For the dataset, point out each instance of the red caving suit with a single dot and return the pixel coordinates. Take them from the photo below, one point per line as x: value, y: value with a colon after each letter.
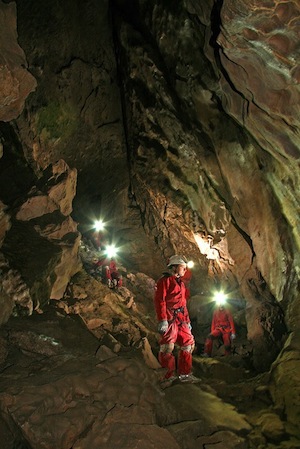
x: 222, y: 325
x: 171, y: 305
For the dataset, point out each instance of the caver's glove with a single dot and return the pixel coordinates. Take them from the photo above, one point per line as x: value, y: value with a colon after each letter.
x: 163, y: 326
x: 232, y: 336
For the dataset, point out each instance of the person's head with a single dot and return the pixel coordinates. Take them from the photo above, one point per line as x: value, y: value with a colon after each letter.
x: 221, y: 306
x: 178, y: 264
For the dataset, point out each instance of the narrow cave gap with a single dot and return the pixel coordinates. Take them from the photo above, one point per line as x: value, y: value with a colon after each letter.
x: 216, y: 22
x: 132, y: 15
x: 16, y: 175
x: 188, y: 122
x: 114, y: 18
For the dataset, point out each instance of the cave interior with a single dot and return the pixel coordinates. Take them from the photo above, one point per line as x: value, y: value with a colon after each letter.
x: 177, y: 125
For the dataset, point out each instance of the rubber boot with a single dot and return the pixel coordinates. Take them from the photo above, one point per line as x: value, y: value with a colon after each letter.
x: 227, y: 350
x: 167, y: 360
x: 184, y: 362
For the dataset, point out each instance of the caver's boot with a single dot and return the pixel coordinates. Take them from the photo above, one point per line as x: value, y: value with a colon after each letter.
x: 189, y: 378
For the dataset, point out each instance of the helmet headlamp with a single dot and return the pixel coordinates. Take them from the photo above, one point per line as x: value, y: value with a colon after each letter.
x: 111, y: 251
x: 99, y: 225
x: 220, y: 298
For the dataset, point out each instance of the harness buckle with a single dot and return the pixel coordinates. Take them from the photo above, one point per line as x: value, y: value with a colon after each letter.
x: 179, y: 310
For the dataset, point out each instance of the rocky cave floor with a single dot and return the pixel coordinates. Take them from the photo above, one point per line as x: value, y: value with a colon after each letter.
x: 83, y: 374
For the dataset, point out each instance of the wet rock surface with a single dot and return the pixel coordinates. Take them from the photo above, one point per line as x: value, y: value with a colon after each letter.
x: 84, y: 374
x: 68, y: 383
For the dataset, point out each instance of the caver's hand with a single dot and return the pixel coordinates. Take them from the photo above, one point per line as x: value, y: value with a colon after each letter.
x: 163, y: 326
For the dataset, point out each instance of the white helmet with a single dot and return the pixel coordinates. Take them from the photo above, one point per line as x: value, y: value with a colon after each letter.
x: 177, y: 260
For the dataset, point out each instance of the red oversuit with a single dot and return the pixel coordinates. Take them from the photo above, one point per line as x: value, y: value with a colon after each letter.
x: 171, y: 305
x: 222, y: 325
x: 110, y: 273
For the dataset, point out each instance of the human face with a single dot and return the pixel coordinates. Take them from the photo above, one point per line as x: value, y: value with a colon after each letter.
x: 180, y: 270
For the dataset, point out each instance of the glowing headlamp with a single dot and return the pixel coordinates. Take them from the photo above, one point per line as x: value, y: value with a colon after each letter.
x: 111, y: 251
x: 190, y: 264
x: 98, y: 225
x: 220, y: 298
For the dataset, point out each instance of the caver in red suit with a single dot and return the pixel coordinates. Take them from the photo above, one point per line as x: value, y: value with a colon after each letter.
x: 114, y: 274
x: 222, y: 325
x: 174, y: 322
x: 111, y: 274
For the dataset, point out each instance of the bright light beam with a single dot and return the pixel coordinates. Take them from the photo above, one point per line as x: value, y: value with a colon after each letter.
x: 220, y: 298
x: 190, y: 264
x: 98, y: 225
x: 111, y: 251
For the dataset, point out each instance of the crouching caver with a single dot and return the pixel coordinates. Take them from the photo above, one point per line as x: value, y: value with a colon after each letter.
x: 174, y: 322
x: 222, y: 326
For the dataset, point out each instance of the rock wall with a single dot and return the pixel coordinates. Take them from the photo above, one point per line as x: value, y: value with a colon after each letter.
x: 16, y: 81
x: 197, y: 118
x: 39, y: 240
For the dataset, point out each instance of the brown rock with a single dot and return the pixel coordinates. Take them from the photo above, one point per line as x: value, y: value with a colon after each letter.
x: 36, y: 206
x: 4, y: 222
x: 272, y: 427
x: 16, y: 82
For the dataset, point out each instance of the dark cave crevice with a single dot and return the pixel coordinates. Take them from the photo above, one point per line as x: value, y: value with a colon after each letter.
x: 16, y: 176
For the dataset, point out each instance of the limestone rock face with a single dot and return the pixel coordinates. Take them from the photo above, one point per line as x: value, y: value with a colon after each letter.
x: 260, y: 53
x: 40, y: 239
x: 195, y: 173
x: 285, y: 381
x: 16, y: 81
